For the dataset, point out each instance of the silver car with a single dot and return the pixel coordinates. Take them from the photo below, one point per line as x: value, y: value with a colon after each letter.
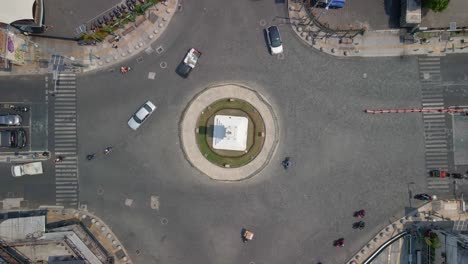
x: 141, y: 115
x: 10, y: 120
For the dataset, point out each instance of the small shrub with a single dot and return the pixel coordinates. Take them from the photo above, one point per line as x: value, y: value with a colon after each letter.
x: 436, y: 5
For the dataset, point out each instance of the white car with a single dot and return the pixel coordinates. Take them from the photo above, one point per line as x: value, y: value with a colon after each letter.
x: 141, y: 115
x: 274, y: 40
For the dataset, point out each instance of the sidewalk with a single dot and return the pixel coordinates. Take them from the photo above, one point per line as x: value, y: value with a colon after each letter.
x: 134, y: 38
x: 428, y: 215
x: 376, y: 43
x: 98, y: 228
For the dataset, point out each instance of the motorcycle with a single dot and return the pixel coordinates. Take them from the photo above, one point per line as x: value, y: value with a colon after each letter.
x: 124, y: 70
x: 90, y: 156
x: 339, y: 242
x: 58, y: 159
x: 360, y: 214
x: 22, y: 109
x: 287, y: 163
x: 359, y: 225
x: 107, y: 150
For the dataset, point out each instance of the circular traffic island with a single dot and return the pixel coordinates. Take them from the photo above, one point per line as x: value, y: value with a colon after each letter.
x: 229, y: 132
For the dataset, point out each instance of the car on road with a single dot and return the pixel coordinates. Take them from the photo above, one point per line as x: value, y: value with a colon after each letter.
x: 274, y: 40
x: 141, y: 115
x: 13, y: 138
x: 188, y: 63
x: 10, y: 120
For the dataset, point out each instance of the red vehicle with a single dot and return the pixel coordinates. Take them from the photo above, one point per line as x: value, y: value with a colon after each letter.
x: 438, y: 173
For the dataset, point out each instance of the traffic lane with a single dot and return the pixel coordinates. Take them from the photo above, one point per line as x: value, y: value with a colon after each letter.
x: 22, y: 89
x: 307, y: 208
x: 35, y: 189
x: 152, y: 153
x: 454, y: 68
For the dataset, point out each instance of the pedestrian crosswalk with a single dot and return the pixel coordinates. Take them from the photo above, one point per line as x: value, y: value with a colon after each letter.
x: 65, y: 139
x: 435, y: 131
x: 429, y: 69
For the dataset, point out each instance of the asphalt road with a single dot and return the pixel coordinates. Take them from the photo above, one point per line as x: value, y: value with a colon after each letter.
x: 28, y: 91
x: 344, y: 159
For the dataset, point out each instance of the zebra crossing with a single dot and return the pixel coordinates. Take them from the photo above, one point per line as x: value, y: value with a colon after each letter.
x: 429, y: 69
x: 435, y: 131
x: 65, y: 137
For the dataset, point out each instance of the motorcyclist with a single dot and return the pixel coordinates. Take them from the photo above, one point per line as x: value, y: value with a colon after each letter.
x: 124, y: 69
x: 90, y: 156
x: 107, y: 150
x: 339, y: 242
x: 58, y: 159
x: 360, y: 214
x: 287, y: 162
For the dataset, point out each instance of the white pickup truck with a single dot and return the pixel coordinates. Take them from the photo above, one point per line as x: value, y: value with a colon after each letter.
x: 189, y: 62
x: 32, y: 168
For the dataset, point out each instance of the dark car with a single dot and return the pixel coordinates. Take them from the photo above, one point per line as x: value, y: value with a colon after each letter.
x: 332, y: 4
x: 13, y: 138
x: 423, y: 197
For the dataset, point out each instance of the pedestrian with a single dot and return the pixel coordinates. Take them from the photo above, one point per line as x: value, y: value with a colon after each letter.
x: 115, y: 46
x: 117, y: 38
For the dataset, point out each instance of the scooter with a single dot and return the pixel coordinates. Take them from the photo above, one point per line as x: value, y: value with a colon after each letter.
x: 90, y: 156
x: 124, y: 69
x: 287, y: 163
x: 107, y: 150
x: 58, y: 159
x: 360, y: 214
x: 339, y: 242
x: 22, y: 109
x: 359, y: 225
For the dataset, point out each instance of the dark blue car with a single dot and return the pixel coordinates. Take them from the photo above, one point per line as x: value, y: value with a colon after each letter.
x: 333, y: 4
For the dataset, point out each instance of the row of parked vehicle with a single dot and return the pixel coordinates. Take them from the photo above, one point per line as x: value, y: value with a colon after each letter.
x: 12, y: 137
x: 115, y: 13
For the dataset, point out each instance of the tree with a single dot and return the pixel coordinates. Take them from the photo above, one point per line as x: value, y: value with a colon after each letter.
x: 436, y: 5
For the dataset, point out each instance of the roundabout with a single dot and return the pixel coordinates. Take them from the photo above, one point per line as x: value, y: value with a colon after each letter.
x: 198, y: 130
x: 343, y: 159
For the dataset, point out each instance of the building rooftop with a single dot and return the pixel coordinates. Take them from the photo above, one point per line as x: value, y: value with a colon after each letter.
x: 12, y: 11
x: 22, y: 228
x: 230, y: 132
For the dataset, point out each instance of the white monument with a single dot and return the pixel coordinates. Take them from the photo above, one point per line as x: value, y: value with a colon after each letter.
x: 230, y: 132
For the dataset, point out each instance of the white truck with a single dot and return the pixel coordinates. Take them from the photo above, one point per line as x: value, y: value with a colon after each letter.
x: 32, y: 168
x: 188, y: 63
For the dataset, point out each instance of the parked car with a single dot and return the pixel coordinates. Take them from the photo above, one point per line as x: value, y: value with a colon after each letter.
x: 141, y: 115
x: 10, y: 120
x: 32, y: 168
x: 274, y: 40
x: 13, y: 138
x: 423, y: 197
x: 332, y: 4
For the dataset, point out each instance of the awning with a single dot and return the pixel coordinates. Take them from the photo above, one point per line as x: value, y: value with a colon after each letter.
x: 11, y: 11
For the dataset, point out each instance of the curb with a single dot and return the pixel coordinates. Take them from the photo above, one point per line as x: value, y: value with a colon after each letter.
x: 196, y: 159
x: 101, y: 229
x: 354, y: 47
x: 84, y: 59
